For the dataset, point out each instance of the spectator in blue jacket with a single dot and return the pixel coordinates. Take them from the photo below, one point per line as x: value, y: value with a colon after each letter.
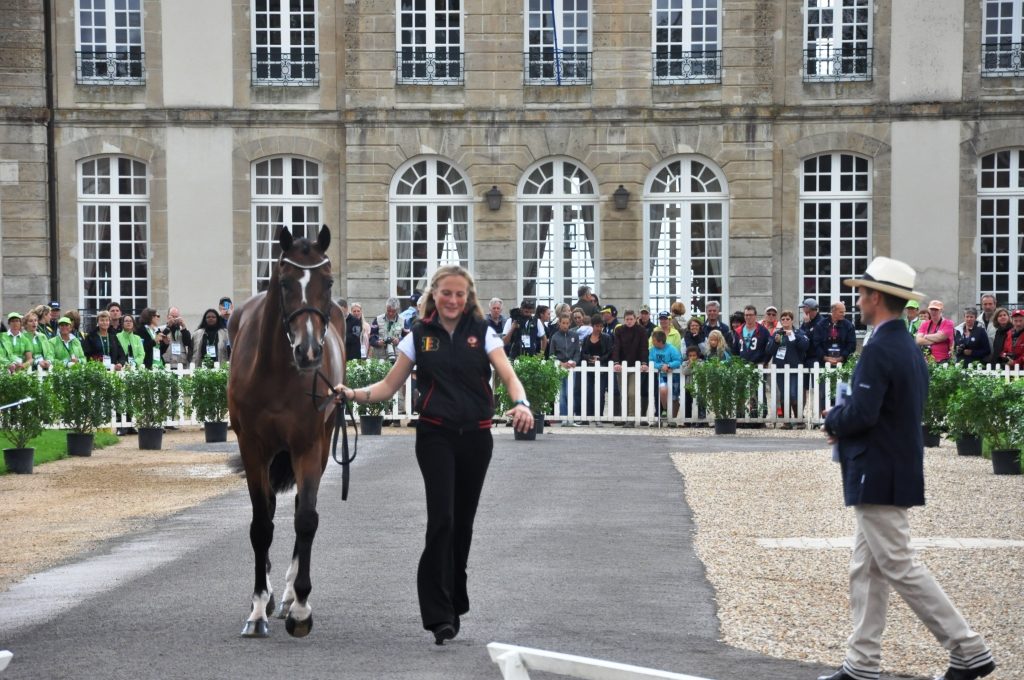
x: 837, y: 338
x: 665, y: 359
x: 564, y: 345
x: 970, y: 339
x: 752, y: 338
x: 788, y: 349
x: 714, y: 323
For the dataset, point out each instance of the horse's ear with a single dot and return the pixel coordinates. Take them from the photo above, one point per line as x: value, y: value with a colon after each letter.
x: 323, y: 239
x: 284, y: 239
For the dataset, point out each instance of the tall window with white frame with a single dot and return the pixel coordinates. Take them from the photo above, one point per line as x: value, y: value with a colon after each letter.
x: 108, y: 45
x: 685, y: 235
x: 835, y: 227
x: 558, y: 232
x: 113, y: 219
x: 558, y: 47
x: 286, y: 193
x: 837, y: 42
x: 686, y: 41
x: 284, y: 42
x: 1002, y: 34
x: 431, y: 222
x: 429, y: 42
x: 1001, y: 225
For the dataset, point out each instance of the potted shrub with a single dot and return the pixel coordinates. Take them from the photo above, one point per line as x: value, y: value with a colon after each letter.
x: 84, y: 397
x: 541, y: 379
x: 207, y: 390
x: 943, y: 381
x: 361, y: 373
x: 724, y: 388
x: 27, y: 410
x: 1002, y: 428
x: 964, y: 411
x: 152, y: 398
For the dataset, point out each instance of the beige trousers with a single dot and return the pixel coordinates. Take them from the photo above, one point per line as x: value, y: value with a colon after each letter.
x: 882, y: 560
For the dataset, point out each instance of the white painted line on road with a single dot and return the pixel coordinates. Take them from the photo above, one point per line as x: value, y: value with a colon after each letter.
x: 846, y: 543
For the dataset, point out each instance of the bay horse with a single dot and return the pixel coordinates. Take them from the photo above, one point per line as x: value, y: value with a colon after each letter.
x: 283, y: 341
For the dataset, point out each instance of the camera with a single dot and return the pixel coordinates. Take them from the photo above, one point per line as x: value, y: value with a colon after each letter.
x: 516, y: 315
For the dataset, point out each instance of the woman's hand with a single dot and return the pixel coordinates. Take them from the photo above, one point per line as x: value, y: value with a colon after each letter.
x: 522, y: 418
x: 342, y: 392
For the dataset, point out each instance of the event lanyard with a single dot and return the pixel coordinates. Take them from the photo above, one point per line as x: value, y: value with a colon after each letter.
x: 105, y: 341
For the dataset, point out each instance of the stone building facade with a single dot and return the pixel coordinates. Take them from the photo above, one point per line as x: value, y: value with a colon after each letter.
x: 765, y: 149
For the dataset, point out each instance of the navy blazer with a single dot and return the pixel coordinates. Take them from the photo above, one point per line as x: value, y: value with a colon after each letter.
x: 881, y: 448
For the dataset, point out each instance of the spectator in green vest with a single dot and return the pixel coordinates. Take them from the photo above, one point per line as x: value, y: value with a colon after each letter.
x: 66, y: 346
x: 912, y: 321
x: 131, y: 342
x: 13, y: 344
x: 40, y: 351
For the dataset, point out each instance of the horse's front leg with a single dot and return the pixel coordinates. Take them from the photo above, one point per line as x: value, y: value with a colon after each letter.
x: 261, y: 534
x: 300, y: 614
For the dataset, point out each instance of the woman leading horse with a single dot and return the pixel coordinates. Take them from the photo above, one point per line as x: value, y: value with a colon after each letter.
x: 284, y: 341
x: 453, y: 350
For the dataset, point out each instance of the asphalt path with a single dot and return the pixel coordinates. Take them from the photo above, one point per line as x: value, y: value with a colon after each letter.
x: 583, y: 545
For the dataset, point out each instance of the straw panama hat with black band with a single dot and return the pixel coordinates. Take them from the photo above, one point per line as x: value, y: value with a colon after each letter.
x: 889, y: 276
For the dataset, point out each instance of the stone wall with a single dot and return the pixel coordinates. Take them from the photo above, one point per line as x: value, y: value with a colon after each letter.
x: 24, y: 260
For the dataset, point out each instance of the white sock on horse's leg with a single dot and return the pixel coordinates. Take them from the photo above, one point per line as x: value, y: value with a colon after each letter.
x: 289, y: 589
x: 259, y: 606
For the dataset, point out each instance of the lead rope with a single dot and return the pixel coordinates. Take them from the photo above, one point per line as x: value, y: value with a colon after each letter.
x: 340, y: 410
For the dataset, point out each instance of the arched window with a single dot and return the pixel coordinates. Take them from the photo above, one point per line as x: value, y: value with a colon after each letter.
x: 1001, y: 225
x: 431, y: 214
x: 685, y: 239
x: 286, y: 192
x: 835, y: 227
x: 558, y: 237
x: 113, y: 218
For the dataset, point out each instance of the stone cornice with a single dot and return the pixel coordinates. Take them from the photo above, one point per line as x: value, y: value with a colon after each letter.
x: 574, y: 115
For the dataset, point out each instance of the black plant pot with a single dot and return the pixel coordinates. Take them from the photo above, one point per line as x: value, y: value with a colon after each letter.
x: 527, y: 436
x: 538, y: 423
x: 1006, y: 461
x: 216, y: 431
x: 968, y: 445
x: 725, y: 426
x: 19, y: 461
x: 151, y: 438
x: 370, y: 425
x: 80, y: 443
x: 930, y: 440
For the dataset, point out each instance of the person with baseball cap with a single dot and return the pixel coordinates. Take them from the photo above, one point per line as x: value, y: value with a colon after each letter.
x: 877, y: 434
x: 912, y: 319
x: 14, y: 344
x: 935, y: 335
x: 67, y: 346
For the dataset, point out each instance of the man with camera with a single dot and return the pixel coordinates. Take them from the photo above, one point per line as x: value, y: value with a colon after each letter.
x: 523, y: 334
x: 386, y: 332
x: 178, y: 347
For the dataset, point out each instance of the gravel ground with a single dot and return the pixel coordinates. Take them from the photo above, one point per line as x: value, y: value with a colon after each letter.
x: 65, y: 507
x: 793, y: 603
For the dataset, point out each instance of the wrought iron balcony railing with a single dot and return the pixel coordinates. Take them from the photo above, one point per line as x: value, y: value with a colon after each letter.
x: 444, y: 66
x: 673, y: 66
x: 271, y: 66
x: 825, y: 63
x: 1002, y: 60
x: 110, y: 68
x: 547, y: 66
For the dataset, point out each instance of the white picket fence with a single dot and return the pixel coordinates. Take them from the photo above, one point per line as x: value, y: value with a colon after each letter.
x: 600, y: 394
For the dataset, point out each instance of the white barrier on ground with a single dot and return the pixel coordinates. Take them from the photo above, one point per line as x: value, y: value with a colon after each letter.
x: 5, y: 658
x: 516, y: 663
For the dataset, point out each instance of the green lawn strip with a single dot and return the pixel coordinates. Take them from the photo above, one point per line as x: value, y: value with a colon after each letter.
x: 53, y: 445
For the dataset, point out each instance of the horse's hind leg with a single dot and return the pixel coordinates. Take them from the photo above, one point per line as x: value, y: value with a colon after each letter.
x: 300, y: 615
x: 261, y: 534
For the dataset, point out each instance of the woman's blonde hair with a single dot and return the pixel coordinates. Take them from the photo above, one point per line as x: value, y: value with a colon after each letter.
x: 678, y: 308
x: 472, y: 304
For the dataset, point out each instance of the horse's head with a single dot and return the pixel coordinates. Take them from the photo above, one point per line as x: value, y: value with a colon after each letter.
x: 304, y: 277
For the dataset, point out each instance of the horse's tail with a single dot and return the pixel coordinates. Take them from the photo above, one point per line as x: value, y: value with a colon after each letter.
x: 282, y: 476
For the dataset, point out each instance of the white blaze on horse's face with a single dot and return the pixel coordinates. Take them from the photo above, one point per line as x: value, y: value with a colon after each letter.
x: 306, y: 304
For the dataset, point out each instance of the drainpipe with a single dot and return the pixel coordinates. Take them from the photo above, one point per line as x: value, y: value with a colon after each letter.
x: 51, y: 169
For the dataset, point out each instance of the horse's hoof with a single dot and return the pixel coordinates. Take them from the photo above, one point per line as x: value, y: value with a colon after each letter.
x: 256, y: 629
x: 270, y: 605
x: 283, y: 609
x: 298, y: 628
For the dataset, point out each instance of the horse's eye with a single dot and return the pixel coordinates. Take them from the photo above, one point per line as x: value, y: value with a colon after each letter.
x: 330, y: 283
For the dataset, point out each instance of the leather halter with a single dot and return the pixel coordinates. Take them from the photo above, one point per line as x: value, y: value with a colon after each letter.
x: 288, y: 318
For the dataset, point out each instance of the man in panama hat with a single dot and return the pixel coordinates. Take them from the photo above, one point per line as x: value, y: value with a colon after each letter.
x: 878, y: 431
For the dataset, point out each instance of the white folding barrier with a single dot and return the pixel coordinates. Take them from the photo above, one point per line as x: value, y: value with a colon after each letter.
x: 516, y: 663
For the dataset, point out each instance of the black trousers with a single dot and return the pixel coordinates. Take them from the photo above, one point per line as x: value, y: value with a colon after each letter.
x: 453, y: 466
